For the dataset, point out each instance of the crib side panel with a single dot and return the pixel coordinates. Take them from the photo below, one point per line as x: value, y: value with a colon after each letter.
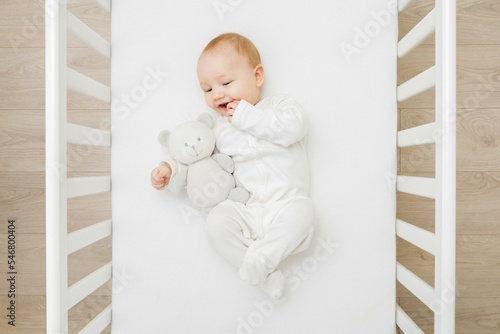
x: 61, y: 78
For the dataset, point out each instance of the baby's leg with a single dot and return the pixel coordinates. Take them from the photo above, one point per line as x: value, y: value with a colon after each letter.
x: 291, y: 227
x: 228, y: 233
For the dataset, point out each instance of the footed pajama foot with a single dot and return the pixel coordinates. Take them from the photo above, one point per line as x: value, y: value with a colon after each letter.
x: 274, y: 285
x: 254, y: 271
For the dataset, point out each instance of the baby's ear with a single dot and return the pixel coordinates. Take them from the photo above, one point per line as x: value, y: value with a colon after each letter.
x: 206, y: 119
x: 164, y: 137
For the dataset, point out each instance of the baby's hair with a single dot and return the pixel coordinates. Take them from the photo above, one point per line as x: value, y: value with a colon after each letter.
x: 241, y: 44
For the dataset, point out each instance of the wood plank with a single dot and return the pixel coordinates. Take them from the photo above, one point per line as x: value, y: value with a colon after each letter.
x: 30, y: 315
x: 474, y: 222
x: 473, y: 315
x: 83, y: 158
x: 478, y: 141
x: 24, y: 81
x: 478, y: 315
x: 88, y: 284
x: 421, y: 158
x: 417, y: 261
x: 88, y: 259
x: 476, y: 192
x: 22, y: 144
x: 22, y: 197
x: 478, y: 274
x: 477, y: 20
x: 99, y: 119
x: 88, y: 308
x: 31, y: 13
x: 478, y: 82
x: 30, y: 263
x: 91, y: 64
x: 421, y: 314
x: 79, y: 215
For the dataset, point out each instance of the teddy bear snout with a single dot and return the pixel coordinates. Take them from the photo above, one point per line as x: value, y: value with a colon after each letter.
x: 196, y: 149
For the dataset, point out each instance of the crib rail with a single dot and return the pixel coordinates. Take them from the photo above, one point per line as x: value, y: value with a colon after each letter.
x: 417, y: 236
x: 59, y: 188
x: 440, y: 298
x: 417, y: 35
x: 418, y: 84
x: 415, y: 185
x: 418, y: 135
x: 83, y: 84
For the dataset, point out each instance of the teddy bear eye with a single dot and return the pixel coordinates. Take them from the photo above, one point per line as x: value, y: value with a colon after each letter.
x: 186, y: 144
x: 199, y: 139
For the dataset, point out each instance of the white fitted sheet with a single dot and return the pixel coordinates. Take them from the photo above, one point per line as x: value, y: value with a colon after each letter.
x: 167, y: 277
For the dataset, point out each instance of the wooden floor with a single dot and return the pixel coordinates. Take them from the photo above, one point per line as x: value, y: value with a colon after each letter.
x: 22, y: 164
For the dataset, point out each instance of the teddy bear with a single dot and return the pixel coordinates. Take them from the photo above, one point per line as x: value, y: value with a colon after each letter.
x: 206, y: 176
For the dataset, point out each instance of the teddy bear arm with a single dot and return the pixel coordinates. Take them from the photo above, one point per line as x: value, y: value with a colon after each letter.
x: 224, y: 161
x: 178, y: 182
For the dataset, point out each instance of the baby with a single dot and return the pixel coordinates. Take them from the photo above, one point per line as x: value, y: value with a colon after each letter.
x: 266, y: 139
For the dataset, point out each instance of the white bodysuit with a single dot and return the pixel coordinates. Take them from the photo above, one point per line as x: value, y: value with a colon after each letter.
x: 267, y: 144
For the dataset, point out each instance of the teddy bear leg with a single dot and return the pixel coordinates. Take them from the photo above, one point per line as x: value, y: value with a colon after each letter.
x: 239, y: 194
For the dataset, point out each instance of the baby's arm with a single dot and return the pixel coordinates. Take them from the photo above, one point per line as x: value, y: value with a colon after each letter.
x: 282, y: 124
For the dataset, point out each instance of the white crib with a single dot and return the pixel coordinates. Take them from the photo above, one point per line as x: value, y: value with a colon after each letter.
x: 59, y: 77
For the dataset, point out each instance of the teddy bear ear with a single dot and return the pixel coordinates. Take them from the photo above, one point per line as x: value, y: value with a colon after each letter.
x: 206, y: 119
x: 164, y: 137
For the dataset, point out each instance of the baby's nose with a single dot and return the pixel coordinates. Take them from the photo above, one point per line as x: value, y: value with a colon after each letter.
x: 218, y: 95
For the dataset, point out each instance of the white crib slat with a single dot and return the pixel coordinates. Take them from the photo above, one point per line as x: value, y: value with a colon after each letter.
x: 416, y: 285
x: 88, y: 235
x: 85, y: 85
x: 104, y: 4
x: 55, y: 166
x: 419, y: 135
x: 420, y: 186
x: 87, y: 35
x: 419, y: 237
x: 418, y: 34
x: 446, y: 84
x: 405, y: 323
x: 83, y: 135
x: 82, y: 186
x: 99, y: 323
x: 88, y: 284
x: 418, y: 84
x: 403, y: 4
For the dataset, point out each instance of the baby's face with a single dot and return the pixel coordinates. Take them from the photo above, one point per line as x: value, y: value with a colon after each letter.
x: 226, y: 76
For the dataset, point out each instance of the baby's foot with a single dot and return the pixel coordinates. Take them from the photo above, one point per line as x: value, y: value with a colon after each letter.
x: 253, y: 271
x: 274, y: 285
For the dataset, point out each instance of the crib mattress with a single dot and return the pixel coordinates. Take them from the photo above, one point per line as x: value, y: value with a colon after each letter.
x: 338, y: 60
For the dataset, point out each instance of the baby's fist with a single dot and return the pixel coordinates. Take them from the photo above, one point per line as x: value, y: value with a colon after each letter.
x: 160, y: 176
x: 231, y: 107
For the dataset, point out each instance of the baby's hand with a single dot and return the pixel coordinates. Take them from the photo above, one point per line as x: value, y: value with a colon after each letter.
x: 231, y: 107
x: 160, y: 176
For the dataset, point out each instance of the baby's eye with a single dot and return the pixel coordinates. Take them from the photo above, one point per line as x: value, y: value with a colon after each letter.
x: 186, y: 144
x: 227, y: 83
x: 208, y: 90
x: 199, y: 139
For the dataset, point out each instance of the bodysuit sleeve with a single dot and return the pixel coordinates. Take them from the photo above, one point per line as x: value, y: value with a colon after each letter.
x: 280, y: 120
x: 172, y: 164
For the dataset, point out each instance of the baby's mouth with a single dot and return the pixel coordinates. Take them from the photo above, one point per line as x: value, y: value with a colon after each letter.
x: 224, y: 106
